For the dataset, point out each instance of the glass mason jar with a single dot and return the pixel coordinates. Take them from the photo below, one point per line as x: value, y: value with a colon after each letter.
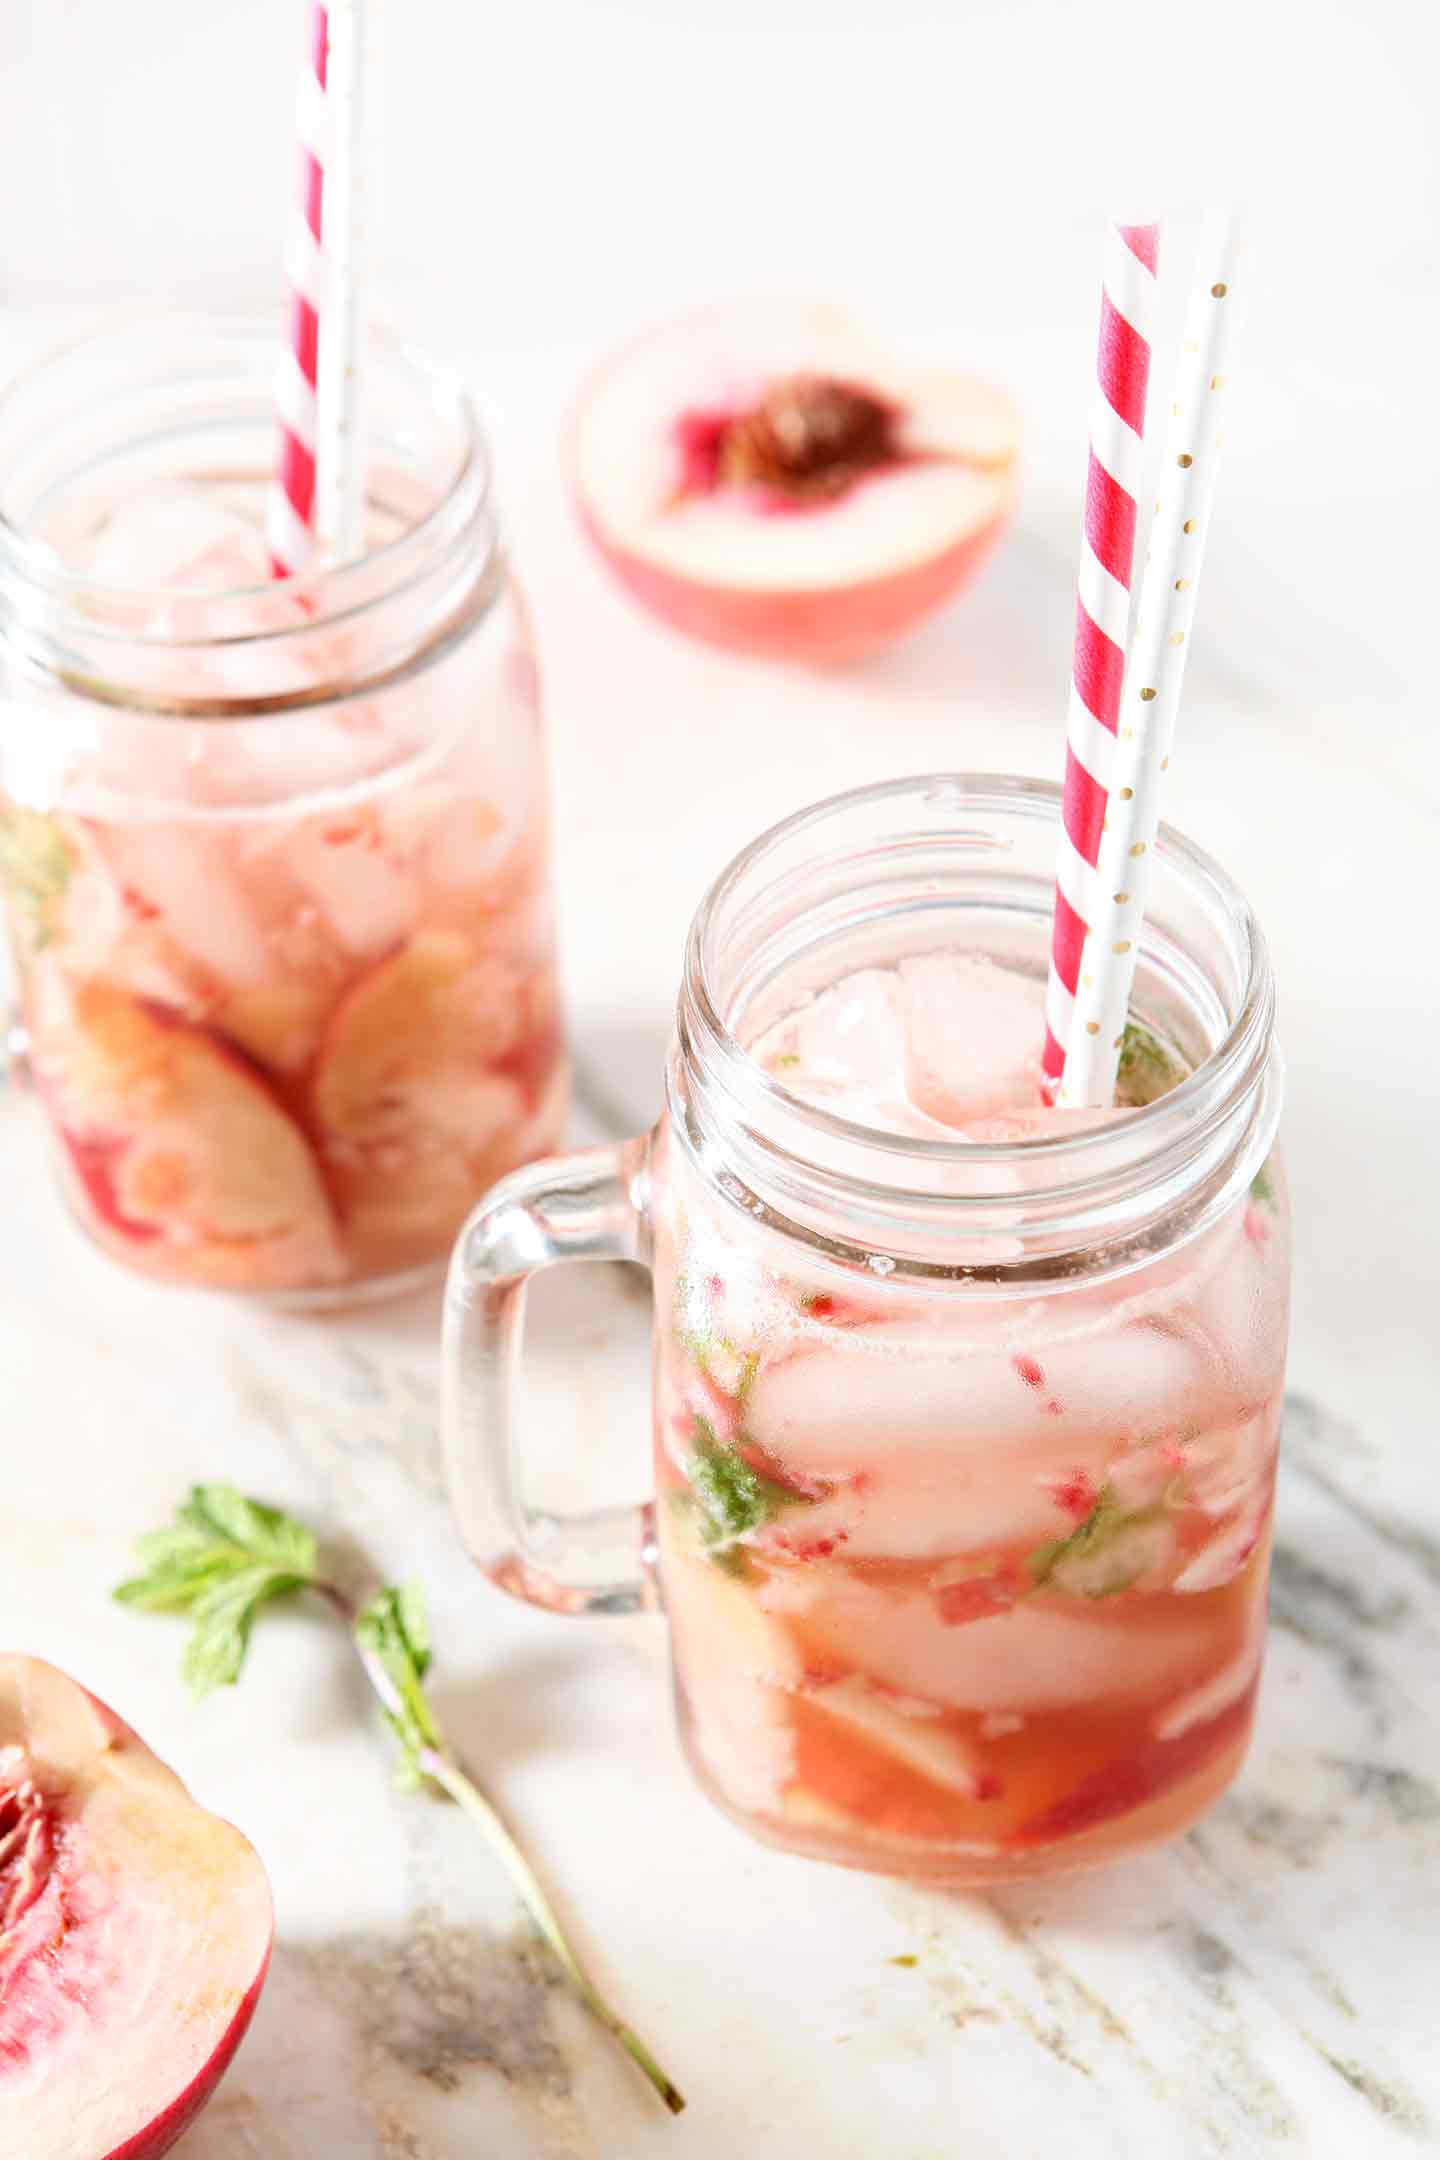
x: 964, y: 1447
x: 274, y: 854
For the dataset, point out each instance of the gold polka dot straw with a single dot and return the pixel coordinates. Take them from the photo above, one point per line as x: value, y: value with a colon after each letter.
x: 1158, y: 648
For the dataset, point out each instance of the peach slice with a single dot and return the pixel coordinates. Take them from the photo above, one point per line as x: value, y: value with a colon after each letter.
x: 135, y: 1931
x: 765, y: 477
x: 220, y: 931
x: 896, y: 1775
x: 177, y: 1144
x: 737, y: 1669
x: 1140, y: 1774
x: 422, y: 1088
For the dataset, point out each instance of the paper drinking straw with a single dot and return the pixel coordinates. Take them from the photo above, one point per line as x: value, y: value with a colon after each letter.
x: 1155, y: 672
x: 290, y: 512
x: 340, y: 478
x: 1102, y: 616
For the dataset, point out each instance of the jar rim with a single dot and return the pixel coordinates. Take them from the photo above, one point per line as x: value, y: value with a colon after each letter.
x: 1181, y: 1125
x: 344, y: 585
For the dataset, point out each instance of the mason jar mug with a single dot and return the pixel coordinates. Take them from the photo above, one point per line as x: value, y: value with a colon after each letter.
x: 273, y: 853
x: 965, y: 1408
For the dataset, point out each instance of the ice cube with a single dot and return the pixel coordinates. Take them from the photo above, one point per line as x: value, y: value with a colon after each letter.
x: 926, y: 1049
x: 973, y: 1036
x: 180, y: 536
x: 845, y: 1050
x: 1029, y: 1658
x: 108, y: 934
x: 182, y: 871
x: 877, y: 1394
x: 1226, y: 1466
x: 934, y: 1505
x: 1238, y: 1305
x: 339, y: 865
x: 1139, y: 1380
x: 957, y: 1443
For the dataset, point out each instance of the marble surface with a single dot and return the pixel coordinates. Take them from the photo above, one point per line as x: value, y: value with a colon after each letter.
x: 1268, y: 1983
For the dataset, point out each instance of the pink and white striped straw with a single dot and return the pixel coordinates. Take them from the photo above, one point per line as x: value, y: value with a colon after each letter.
x: 290, y: 515
x: 1102, y: 615
x: 1157, y: 653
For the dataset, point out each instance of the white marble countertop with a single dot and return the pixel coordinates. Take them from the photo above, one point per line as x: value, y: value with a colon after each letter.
x: 1269, y: 1981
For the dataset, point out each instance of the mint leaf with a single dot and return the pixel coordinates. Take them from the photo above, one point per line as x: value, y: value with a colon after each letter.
x: 731, y: 1496
x: 37, y: 863
x: 1147, y: 1070
x: 1107, y: 1552
x: 251, y: 1527
x: 220, y: 1561
x: 1262, y: 1186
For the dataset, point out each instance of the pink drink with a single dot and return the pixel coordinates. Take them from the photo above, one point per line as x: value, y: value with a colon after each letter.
x: 277, y: 880
x: 967, y: 1579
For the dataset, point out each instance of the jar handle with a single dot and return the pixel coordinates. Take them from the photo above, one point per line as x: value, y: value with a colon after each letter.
x: 589, y: 1206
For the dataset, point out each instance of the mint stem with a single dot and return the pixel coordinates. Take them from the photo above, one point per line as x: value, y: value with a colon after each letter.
x: 445, y: 1770
x: 447, y: 1774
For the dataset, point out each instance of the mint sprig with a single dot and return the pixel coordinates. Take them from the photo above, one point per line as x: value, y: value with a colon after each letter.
x: 223, y: 1559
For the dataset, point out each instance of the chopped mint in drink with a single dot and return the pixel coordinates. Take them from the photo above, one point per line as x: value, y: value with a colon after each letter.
x: 37, y: 863
x: 1147, y: 1069
x: 731, y: 1497
x: 1106, y: 1553
x: 1262, y: 1187
x: 694, y: 1328
x: 787, y: 1062
x: 733, y: 1370
x: 747, y: 1364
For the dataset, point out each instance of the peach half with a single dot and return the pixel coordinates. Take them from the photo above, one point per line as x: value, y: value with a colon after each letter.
x: 135, y: 1932
x: 765, y: 477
